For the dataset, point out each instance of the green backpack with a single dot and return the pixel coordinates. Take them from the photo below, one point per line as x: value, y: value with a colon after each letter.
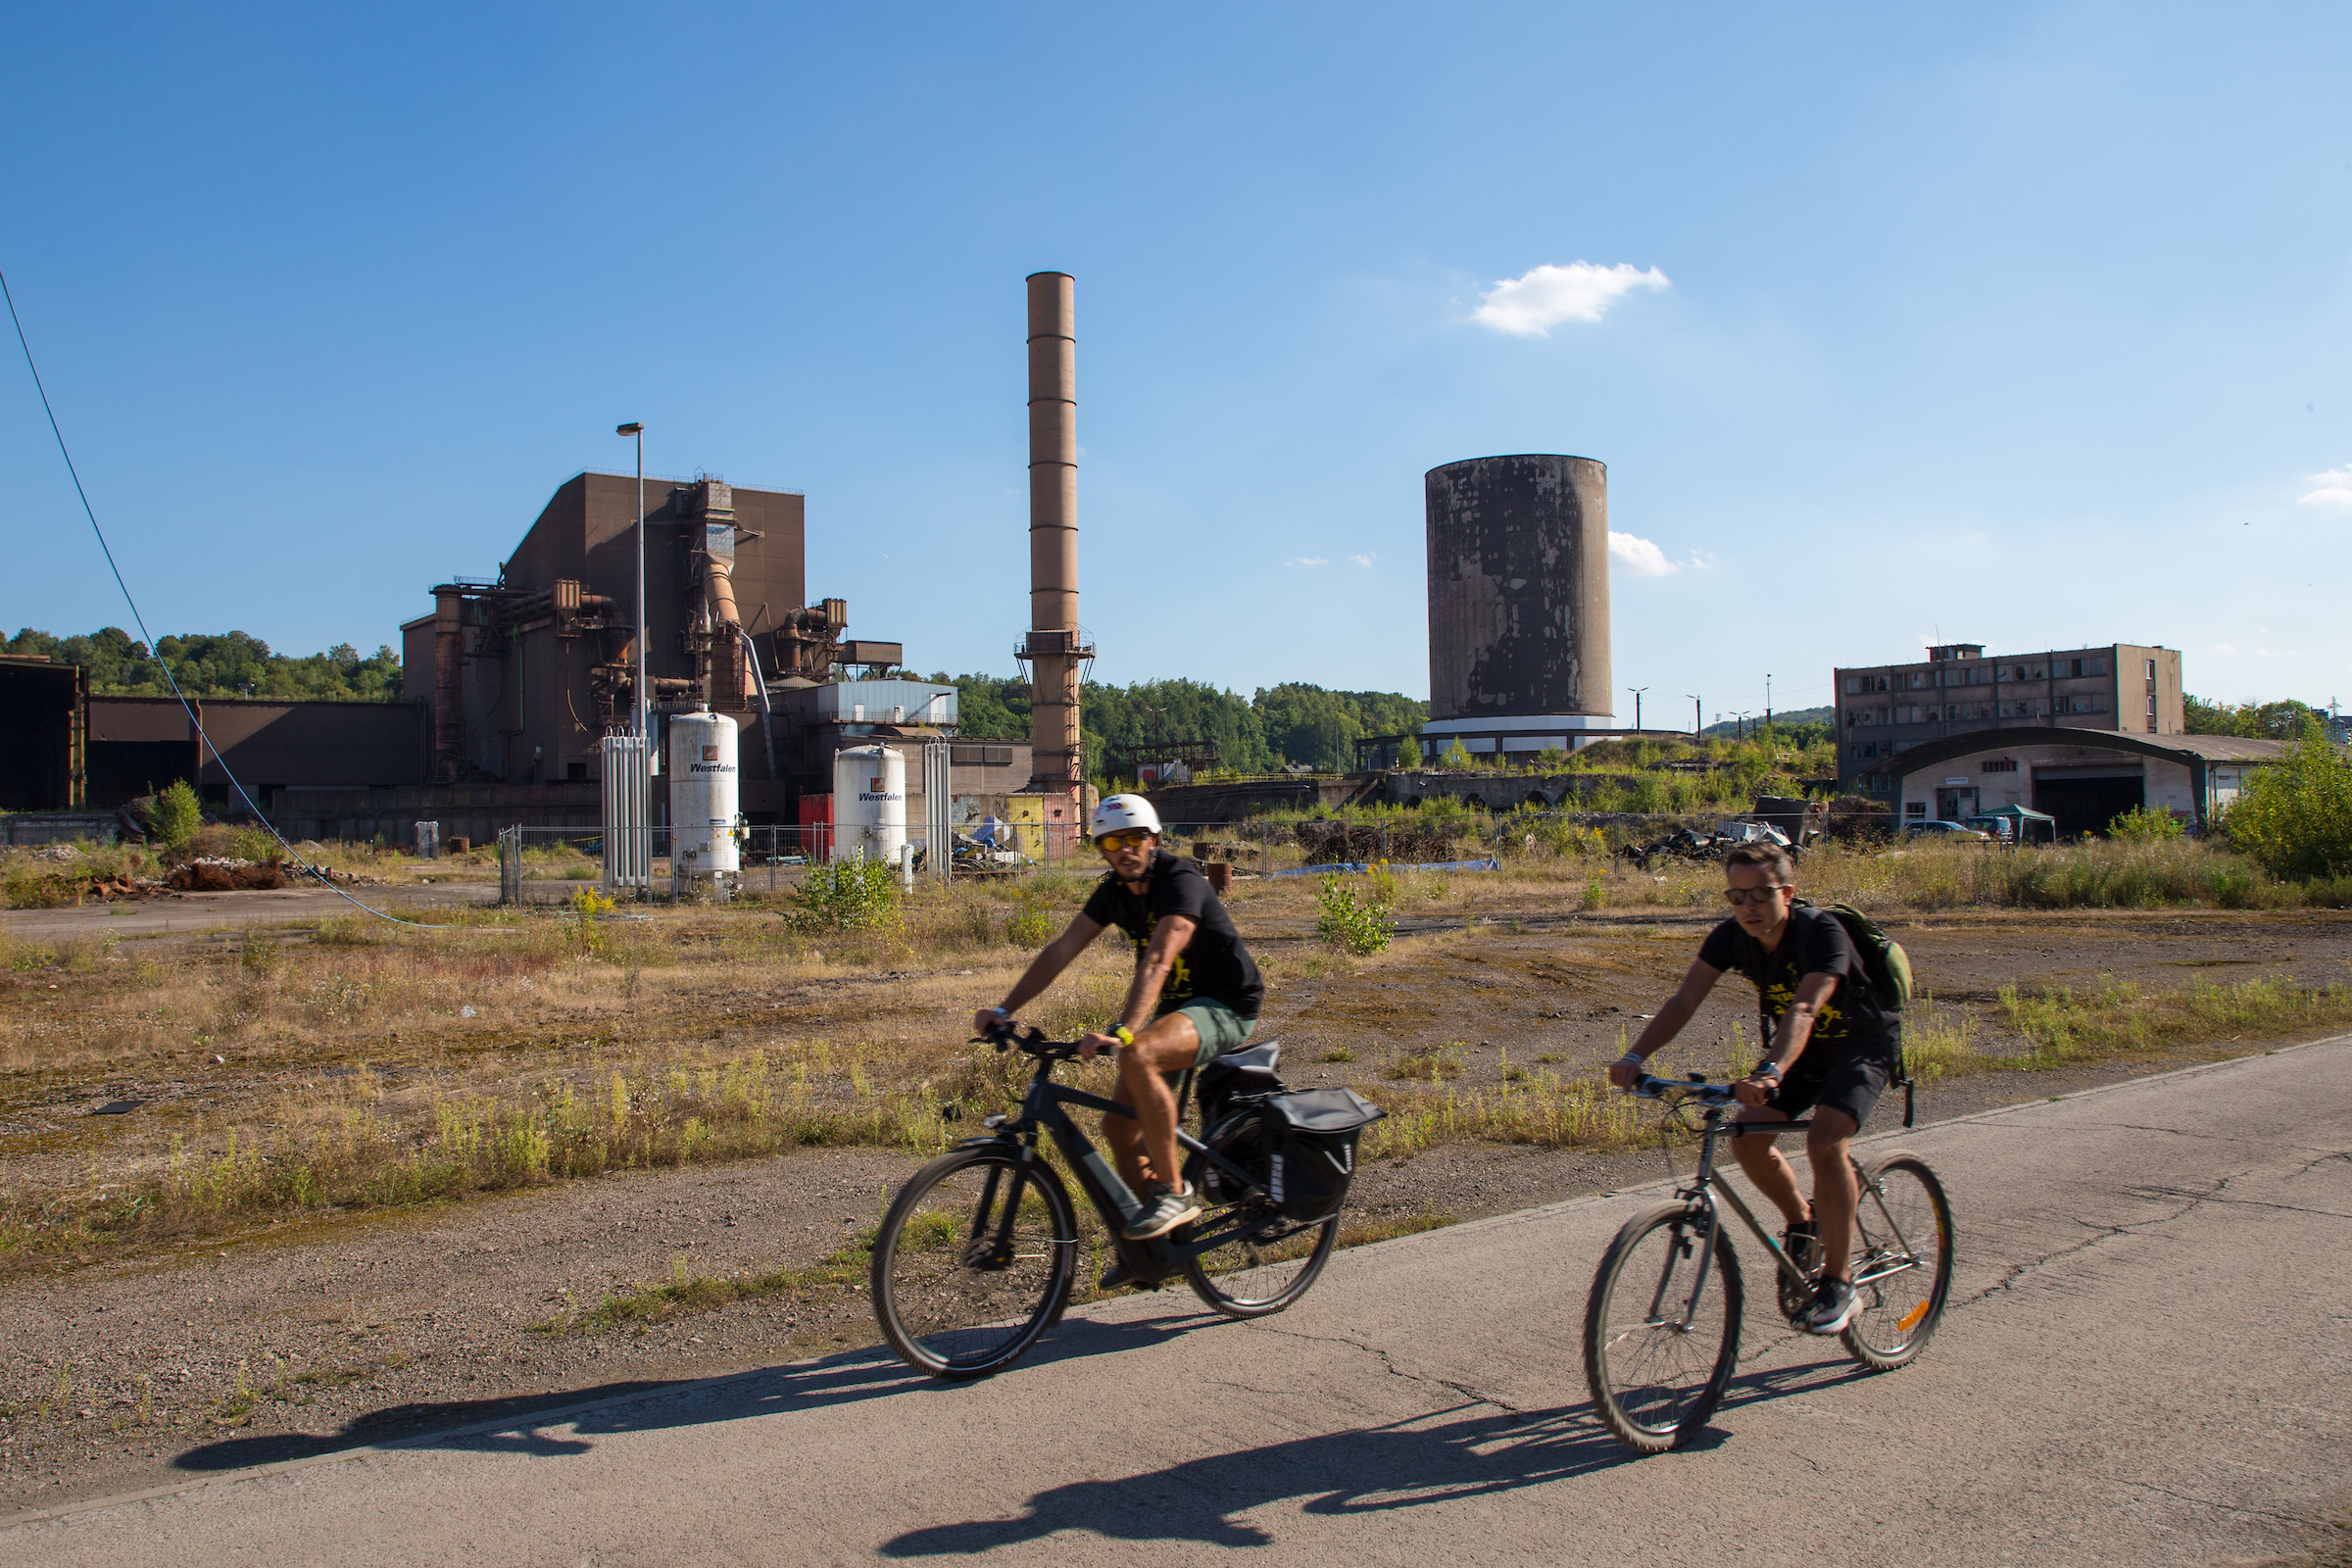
x: 1885, y: 963
x: 1887, y: 969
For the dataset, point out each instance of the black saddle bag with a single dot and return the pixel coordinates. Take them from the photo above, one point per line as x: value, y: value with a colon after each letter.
x: 1312, y: 1137
x: 1231, y: 1089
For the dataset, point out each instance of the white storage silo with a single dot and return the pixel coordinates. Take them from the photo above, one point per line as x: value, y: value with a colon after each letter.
x: 703, y: 796
x: 870, y: 803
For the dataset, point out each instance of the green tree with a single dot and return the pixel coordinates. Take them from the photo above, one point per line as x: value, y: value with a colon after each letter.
x: 989, y: 708
x: 205, y: 664
x: 2296, y: 817
x: 2283, y: 721
x: 1457, y: 756
x: 177, y: 815
x: 1408, y: 754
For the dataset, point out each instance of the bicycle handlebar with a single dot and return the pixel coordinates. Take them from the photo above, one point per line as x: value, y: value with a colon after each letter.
x: 1031, y: 1042
x: 1695, y: 1087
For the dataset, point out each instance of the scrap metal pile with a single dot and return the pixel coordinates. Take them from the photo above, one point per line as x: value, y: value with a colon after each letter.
x: 1691, y: 845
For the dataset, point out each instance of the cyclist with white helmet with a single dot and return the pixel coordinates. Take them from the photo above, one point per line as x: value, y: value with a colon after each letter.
x: 1195, y: 996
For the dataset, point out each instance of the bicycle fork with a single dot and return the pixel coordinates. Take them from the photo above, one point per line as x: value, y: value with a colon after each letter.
x: 1698, y: 1278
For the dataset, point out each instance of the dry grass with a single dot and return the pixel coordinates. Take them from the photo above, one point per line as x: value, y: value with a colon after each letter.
x: 351, y: 1064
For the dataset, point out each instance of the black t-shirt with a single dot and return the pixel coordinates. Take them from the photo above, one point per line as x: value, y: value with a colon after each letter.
x: 1850, y: 1021
x: 1213, y: 966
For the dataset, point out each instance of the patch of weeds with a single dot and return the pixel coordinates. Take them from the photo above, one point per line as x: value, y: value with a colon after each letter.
x: 1337, y: 1054
x: 1362, y: 926
x: 1428, y: 1067
x: 1030, y: 925
x: 1388, y: 1227
x: 685, y: 1291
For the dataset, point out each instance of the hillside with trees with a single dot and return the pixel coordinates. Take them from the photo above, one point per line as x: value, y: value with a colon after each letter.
x: 205, y: 664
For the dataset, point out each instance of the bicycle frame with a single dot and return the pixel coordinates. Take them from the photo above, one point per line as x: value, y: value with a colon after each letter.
x: 1702, y: 1191
x: 1161, y: 1257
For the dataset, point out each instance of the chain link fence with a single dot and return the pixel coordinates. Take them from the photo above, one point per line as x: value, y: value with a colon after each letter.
x: 549, y: 864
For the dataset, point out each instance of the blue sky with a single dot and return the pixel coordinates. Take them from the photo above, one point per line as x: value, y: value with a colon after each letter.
x: 2029, y: 324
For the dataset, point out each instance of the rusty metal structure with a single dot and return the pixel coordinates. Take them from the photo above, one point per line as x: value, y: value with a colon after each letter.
x: 1056, y: 649
x: 1518, y: 602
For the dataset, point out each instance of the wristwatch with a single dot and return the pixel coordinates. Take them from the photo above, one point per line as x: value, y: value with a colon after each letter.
x: 1773, y: 1068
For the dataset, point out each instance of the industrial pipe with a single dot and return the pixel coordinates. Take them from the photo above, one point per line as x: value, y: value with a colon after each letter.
x: 767, y: 713
x: 449, y: 685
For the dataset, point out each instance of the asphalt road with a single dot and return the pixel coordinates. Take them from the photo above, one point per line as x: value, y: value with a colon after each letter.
x: 2148, y: 1360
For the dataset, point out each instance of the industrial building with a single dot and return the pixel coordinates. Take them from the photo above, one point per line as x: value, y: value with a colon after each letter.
x: 2083, y: 778
x: 513, y: 684
x: 1518, y: 604
x: 1886, y: 710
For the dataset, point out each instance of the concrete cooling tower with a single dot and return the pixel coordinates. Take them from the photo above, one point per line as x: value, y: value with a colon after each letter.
x: 1518, y: 602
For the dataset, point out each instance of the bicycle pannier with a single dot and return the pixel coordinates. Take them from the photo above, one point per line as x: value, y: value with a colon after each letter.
x: 1314, y: 1134
x: 1231, y: 1089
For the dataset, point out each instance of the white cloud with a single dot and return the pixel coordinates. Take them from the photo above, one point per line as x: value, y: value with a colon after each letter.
x: 1307, y: 560
x: 2332, y: 488
x: 2221, y: 650
x: 1642, y: 559
x: 1365, y: 561
x: 1532, y: 305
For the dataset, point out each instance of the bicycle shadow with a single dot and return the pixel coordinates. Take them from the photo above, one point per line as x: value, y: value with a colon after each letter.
x: 515, y: 1424
x: 1368, y: 1472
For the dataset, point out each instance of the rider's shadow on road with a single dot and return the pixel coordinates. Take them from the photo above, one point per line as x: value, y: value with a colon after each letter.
x: 1435, y: 1458
x: 518, y: 1425
x: 1364, y: 1471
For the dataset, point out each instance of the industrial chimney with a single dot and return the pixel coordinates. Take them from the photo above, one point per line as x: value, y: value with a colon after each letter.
x: 1052, y: 649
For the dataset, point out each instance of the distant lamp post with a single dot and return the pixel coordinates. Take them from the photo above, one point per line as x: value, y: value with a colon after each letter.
x: 1698, y: 714
x: 643, y: 715
x: 1637, y: 691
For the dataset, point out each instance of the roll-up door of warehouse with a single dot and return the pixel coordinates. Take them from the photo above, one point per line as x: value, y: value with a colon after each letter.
x: 2084, y: 799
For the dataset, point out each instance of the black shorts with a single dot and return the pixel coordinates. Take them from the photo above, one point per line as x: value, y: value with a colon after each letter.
x: 1852, y: 1084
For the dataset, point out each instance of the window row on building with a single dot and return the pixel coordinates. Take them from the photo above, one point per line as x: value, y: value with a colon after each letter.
x: 1979, y: 676
x: 1955, y: 712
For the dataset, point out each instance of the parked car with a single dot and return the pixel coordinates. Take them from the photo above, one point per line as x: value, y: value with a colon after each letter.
x: 1944, y: 830
x: 1996, y: 828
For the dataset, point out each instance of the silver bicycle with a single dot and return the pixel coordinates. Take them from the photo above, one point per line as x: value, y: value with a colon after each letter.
x: 1663, y: 1324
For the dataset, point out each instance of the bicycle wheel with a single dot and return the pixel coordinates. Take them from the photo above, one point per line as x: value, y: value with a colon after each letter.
x: 1657, y: 1359
x: 1902, y: 1262
x: 974, y: 1261
x: 1264, y: 1271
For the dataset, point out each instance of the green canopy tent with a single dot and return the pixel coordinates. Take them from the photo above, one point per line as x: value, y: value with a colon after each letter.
x: 2024, y: 827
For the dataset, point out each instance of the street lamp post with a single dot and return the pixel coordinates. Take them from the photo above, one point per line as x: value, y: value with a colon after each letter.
x: 1637, y: 691
x: 643, y: 713
x: 1698, y: 715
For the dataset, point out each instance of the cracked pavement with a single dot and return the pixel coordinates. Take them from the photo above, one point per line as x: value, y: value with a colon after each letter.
x: 2147, y: 1361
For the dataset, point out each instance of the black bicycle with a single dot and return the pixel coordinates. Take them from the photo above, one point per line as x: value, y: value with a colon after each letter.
x: 978, y: 1254
x: 1663, y: 1324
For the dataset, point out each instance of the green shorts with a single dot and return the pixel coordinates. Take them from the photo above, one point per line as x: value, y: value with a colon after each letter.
x: 1221, y: 1029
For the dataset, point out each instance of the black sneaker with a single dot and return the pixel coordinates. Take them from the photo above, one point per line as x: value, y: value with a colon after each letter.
x: 1162, y: 1211
x: 1832, y: 1308
x: 1114, y: 1277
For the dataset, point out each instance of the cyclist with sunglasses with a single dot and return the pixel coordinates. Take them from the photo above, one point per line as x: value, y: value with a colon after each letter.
x: 1195, y: 996
x: 1829, y: 1050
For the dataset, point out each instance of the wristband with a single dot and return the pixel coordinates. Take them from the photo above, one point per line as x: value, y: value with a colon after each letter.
x: 1633, y: 1059
x: 1123, y: 1035
x: 1772, y: 1067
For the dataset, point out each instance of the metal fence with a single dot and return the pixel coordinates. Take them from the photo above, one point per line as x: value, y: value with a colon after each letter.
x: 548, y: 865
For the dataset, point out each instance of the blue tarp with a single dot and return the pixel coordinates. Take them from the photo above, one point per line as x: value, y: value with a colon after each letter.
x: 1339, y: 867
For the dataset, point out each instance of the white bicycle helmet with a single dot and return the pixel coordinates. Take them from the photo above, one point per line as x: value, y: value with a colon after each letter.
x: 1118, y: 812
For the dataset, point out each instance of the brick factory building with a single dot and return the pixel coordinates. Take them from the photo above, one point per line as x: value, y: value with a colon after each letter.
x: 1885, y: 710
